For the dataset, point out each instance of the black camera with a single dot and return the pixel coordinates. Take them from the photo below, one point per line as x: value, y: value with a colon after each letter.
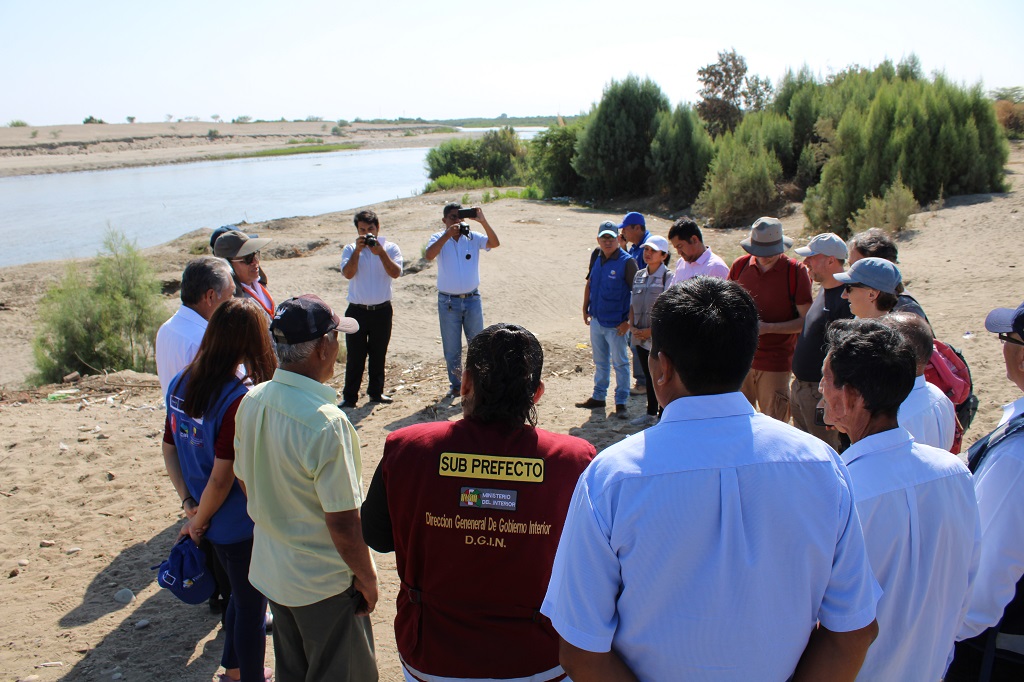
x: 464, y: 230
x: 369, y: 241
x: 467, y: 213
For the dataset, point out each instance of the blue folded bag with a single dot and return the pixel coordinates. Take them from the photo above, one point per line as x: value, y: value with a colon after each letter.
x: 184, y: 573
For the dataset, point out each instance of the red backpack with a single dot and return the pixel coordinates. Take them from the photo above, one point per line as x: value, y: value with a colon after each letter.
x: 947, y: 369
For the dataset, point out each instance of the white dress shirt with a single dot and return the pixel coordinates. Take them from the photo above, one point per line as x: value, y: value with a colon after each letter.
x: 177, y: 342
x: 929, y: 415
x: 920, y: 520
x: 709, y: 546
x: 999, y: 485
x: 708, y: 264
x: 371, y: 284
x: 458, y: 263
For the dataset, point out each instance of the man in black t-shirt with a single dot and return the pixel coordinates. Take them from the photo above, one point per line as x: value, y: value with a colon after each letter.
x: 824, y: 256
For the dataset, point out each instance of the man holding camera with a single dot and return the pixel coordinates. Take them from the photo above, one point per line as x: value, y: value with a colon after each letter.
x: 370, y: 264
x: 457, y: 250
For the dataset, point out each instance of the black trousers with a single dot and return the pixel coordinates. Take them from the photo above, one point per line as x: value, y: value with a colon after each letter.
x: 642, y: 356
x: 371, y: 341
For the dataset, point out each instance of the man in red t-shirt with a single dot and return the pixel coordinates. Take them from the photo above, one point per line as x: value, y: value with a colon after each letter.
x: 781, y: 287
x: 473, y: 510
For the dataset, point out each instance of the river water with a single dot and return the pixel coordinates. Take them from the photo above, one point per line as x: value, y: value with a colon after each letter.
x: 65, y: 215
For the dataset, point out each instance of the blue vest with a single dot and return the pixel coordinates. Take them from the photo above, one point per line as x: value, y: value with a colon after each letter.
x: 194, y: 439
x: 609, y: 290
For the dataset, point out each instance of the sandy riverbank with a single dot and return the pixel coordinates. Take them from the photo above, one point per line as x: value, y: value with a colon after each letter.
x: 85, y: 471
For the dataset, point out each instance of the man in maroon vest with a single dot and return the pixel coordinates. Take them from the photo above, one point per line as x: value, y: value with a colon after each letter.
x: 473, y: 510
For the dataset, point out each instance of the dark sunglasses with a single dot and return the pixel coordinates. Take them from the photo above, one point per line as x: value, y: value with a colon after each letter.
x: 248, y: 260
x: 854, y: 285
x: 1006, y: 338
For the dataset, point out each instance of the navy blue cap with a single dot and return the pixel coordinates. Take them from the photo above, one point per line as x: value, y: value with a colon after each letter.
x: 1006, y: 320
x: 184, y: 573
x: 633, y: 218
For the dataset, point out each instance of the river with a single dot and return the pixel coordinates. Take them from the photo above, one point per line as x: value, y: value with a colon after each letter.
x: 65, y: 215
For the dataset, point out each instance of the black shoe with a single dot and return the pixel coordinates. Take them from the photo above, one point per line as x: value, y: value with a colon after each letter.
x: 383, y: 399
x: 590, y: 404
x: 621, y: 412
x: 346, y: 403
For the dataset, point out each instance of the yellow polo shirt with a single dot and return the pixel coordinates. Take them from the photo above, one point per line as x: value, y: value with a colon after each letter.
x: 299, y: 457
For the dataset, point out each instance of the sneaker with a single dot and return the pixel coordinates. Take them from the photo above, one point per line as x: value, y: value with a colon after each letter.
x: 591, y: 403
x: 638, y: 389
x: 644, y: 420
x: 621, y: 412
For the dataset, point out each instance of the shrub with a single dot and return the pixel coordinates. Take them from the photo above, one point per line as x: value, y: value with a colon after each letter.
x: 680, y: 154
x: 767, y: 130
x: 213, y: 134
x: 612, y: 148
x: 498, y: 158
x: 17, y: 123
x: 342, y: 123
x: 131, y: 119
x: 107, y: 323
x: 891, y: 212
x: 242, y: 119
x: 92, y: 119
x: 551, y: 155
x: 337, y: 131
x: 453, y: 157
x: 465, y: 199
x: 740, y: 182
x: 891, y: 123
x: 807, y: 168
x: 449, y: 182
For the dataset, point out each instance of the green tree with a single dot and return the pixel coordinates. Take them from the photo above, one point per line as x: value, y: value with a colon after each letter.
x: 740, y: 183
x: 551, y: 155
x: 721, y: 89
x: 611, y: 151
x: 680, y: 154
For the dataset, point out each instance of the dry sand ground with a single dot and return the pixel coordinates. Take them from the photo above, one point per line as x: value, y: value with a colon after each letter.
x: 85, y: 471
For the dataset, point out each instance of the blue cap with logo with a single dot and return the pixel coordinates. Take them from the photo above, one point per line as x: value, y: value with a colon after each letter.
x: 184, y: 573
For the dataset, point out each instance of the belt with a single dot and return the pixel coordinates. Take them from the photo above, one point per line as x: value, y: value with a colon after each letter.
x: 385, y: 304
x: 470, y: 294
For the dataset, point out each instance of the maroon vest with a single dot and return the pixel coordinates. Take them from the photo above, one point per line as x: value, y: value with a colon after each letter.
x: 477, y: 511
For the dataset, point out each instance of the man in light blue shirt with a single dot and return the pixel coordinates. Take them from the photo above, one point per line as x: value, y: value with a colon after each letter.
x: 459, y: 310
x: 916, y: 503
x: 720, y: 544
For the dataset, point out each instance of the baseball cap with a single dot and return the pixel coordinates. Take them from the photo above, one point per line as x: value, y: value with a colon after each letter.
x: 608, y: 227
x: 1006, y: 320
x: 184, y: 573
x: 656, y: 241
x: 876, y: 273
x: 633, y: 218
x: 826, y: 244
x: 235, y: 244
x: 766, y: 238
x: 307, y: 317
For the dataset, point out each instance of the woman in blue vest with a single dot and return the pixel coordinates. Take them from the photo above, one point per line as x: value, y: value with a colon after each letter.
x: 199, y: 452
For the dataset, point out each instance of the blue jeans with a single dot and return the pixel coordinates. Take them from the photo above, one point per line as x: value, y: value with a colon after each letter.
x: 610, y: 350
x: 458, y: 314
x: 245, y: 634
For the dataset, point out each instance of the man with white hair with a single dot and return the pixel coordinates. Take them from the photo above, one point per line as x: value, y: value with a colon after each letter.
x: 205, y: 283
x: 297, y: 457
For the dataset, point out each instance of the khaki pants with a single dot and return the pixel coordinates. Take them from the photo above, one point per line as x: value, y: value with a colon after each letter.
x: 768, y: 392
x: 803, y: 399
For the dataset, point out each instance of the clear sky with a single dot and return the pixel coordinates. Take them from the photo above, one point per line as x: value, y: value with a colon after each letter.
x: 64, y: 60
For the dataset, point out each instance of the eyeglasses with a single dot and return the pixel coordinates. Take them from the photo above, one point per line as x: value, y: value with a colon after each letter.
x: 1006, y: 338
x: 248, y: 260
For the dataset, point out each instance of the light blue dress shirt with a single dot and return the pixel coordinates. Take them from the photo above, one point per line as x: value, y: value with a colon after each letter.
x: 709, y: 546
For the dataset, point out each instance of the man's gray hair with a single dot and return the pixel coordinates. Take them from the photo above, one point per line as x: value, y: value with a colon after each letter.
x: 288, y: 354
x: 202, y: 274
